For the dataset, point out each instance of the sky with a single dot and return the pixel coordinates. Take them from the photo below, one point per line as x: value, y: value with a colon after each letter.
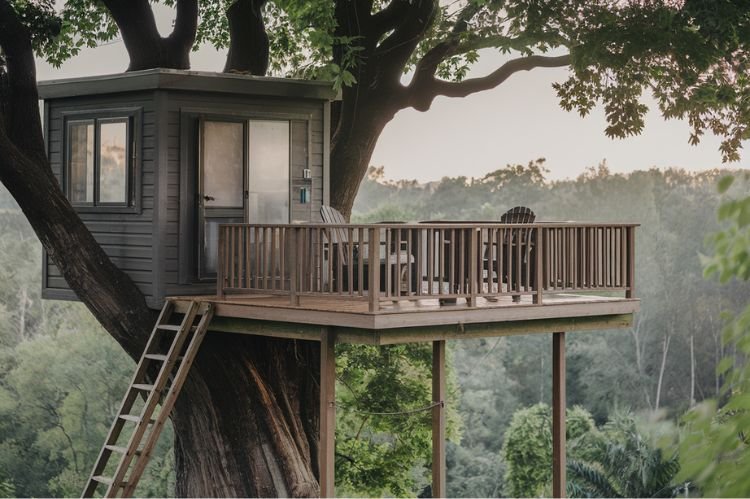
x: 516, y: 122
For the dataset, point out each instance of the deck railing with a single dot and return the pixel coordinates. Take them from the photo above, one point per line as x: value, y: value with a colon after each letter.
x: 447, y: 261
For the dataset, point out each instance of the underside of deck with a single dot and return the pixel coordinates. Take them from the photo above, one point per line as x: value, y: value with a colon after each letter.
x: 407, y: 321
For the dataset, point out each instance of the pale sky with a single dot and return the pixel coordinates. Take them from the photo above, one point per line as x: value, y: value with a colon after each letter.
x: 514, y: 123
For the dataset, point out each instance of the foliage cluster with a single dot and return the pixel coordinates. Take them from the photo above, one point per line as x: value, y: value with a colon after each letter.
x: 61, y: 381
x: 616, y: 459
x: 715, y: 451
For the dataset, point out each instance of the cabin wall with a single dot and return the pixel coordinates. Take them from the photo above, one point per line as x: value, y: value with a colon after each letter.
x: 155, y: 243
x: 177, y: 218
x: 126, y: 237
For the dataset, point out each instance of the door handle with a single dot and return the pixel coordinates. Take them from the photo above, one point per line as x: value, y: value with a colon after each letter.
x: 209, y: 198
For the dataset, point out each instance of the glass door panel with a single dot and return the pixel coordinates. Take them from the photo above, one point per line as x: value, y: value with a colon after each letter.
x: 268, y: 174
x: 221, y: 180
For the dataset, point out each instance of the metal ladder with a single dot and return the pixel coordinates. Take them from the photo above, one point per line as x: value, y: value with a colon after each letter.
x: 170, y: 352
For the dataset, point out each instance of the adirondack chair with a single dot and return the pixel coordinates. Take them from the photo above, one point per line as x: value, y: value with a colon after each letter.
x: 339, y: 251
x: 516, y: 215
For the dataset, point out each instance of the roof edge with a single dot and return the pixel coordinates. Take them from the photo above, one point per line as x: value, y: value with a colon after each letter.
x: 176, y: 79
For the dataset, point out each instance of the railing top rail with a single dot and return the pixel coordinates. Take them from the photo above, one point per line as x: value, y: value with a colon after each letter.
x: 438, y: 225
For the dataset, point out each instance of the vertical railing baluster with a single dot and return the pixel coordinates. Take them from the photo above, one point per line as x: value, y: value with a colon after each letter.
x: 220, y: 264
x: 473, y: 250
x: 293, y: 255
x: 420, y: 260
x: 452, y: 284
x: 360, y: 261
x: 430, y: 261
x: 350, y: 262
x: 373, y: 284
x: 538, y: 271
x: 409, y: 261
x: 462, y: 288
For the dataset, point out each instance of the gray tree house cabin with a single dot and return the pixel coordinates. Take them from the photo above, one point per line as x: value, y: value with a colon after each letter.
x: 208, y: 191
x: 155, y: 160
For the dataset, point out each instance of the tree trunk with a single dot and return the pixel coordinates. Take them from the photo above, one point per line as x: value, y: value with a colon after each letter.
x: 692, y: 370
x: 664, y: 351
x: 147, y: 49
x: 246, y: 423
x: 353, y: 143
x: 248, y: 41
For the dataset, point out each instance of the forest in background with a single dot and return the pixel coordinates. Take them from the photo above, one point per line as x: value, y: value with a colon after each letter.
x: 62, y: 377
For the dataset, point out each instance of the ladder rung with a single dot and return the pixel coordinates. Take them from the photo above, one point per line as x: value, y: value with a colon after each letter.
x: 142, y: 387
x: 102, y: 479
x: 133, y: 418
x: 168, y: 327
x: 158, y: 356
x: 172, y: 327
x: 120, y: 450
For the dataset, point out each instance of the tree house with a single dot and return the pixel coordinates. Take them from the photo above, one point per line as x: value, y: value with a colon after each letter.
x: 207, y: 190
x: 154, y: 161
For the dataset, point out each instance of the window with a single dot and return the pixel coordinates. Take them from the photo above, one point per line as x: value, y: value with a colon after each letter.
x: 268, y: 178
x: 100, y: 162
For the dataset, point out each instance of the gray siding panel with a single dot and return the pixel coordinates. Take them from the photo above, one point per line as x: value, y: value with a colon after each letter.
x: 125, y: 237
x: 153, y: 244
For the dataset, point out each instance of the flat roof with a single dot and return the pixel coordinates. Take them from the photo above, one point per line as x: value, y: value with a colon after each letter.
x: 176, y: 79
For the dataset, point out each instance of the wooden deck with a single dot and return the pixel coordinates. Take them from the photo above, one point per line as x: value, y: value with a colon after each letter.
x: 392, y: 283
x: 416, y: 320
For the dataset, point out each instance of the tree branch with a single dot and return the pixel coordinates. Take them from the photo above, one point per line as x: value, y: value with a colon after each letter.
x: 387, y: 18
x: 145, y: 46
x: 424, y: 90
x: 182, y: 37
x: 394, y: 52
x: 248, y: 40
x: 20, y: 105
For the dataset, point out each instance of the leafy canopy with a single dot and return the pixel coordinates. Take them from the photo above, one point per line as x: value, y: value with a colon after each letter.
x: 692, y: 55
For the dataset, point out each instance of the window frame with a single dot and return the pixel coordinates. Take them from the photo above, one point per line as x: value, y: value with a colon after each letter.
x: 132, y: 119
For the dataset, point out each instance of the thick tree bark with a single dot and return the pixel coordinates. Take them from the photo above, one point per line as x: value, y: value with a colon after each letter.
x: 246, y: 423
x: 146, y: 47
x: 248, y: 40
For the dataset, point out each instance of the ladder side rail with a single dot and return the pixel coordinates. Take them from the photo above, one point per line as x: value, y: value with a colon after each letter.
x: 127, y: 402
x: 168, y: 403
x: 153, y: 397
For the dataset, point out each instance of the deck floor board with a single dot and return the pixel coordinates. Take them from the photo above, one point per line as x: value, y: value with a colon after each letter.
x: 342, y: 311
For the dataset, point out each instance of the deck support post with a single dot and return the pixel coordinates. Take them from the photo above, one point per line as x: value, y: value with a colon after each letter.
x: 438, y: 419
x: 327, y: 412
x: 558, y: 414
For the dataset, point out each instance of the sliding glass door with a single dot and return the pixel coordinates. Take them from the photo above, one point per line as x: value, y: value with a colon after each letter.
x: 243, y: 177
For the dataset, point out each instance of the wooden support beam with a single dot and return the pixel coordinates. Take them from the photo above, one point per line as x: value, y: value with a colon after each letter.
x: 438, y: 419
x: 327, y: 412
x: 558, y: 415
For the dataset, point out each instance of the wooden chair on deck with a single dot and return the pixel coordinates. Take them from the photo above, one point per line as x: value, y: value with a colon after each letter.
x: 516, y: 215
x: 339, y: 240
